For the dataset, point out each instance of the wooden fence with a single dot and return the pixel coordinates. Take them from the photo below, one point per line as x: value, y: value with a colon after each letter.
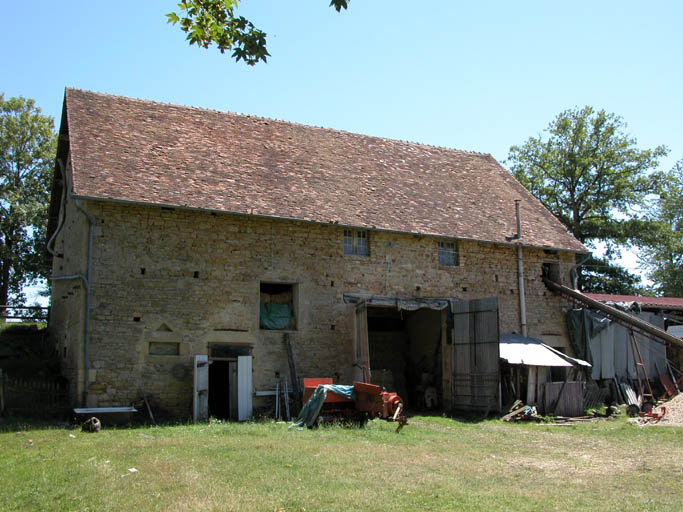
x: 33, y: 397
x: 24, y: 313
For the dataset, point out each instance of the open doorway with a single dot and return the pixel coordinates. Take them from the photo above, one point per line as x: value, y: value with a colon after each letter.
x: 405, y: 354
x: 223, y: 390
x: 229, y: 381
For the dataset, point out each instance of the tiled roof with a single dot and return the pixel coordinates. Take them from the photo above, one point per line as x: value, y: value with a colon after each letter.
x: 126, y: 149
x: 653, y: 302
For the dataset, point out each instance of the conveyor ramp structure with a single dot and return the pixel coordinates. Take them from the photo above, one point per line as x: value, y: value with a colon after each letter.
x: 638, y: 325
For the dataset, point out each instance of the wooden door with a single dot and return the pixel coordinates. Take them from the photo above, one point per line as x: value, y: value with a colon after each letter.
x: 475, y: 355
x: 200, y: 403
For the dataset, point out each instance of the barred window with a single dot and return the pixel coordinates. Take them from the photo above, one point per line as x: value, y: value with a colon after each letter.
x: 356, y: 242
x: 448, y: 254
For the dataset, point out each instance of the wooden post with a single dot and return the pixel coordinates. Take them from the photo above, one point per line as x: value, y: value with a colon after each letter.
x: 292, y: 373
x: 531, y: 386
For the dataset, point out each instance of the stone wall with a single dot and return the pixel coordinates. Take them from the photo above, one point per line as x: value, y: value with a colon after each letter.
x: 193, y: 278
x: 67, y: 314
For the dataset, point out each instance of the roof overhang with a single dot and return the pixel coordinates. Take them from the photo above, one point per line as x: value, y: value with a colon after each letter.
x: 354, y: 226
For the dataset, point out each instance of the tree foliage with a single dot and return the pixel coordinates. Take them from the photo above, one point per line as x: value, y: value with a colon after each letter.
x: 208, y: 22
x: 599, y: 275
x: 589, y: 173
x: 27, y: 151
x: 661, y: 244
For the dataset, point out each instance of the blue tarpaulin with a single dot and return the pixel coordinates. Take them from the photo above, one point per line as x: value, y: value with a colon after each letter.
x: 274, y: 316
x: 311, y: 409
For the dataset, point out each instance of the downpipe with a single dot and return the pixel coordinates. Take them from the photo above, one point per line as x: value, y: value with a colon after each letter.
x: 520, y: 270
x: 87, y: 281
x: 62, y: 210
x: 522, y: 295
x: 575, y: 271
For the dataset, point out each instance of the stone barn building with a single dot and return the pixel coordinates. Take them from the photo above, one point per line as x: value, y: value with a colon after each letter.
x: 187, y: 242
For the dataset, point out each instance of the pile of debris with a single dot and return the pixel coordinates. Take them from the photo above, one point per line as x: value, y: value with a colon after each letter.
x: 522, y: 412
x: 668, y: 413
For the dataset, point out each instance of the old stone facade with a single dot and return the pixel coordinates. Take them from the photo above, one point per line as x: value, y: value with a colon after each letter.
x: 167, y: 283
x: 189, y: 245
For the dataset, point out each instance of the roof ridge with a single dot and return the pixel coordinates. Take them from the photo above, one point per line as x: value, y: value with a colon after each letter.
x: 284, y: 121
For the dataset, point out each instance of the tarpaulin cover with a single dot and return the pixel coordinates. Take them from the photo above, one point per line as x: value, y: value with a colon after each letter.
x: 608, y: 345
x: 584, y: 325
x: 274, y: 316
x: 400, y: 303
x: 311, y: 409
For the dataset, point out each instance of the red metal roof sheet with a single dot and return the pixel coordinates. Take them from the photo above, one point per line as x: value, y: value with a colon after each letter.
x: 126, y: 149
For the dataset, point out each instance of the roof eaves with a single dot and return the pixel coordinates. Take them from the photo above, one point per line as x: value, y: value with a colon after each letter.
x: 356, y: 226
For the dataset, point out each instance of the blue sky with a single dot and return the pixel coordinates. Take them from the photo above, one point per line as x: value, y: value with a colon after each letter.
x: 479, y: 76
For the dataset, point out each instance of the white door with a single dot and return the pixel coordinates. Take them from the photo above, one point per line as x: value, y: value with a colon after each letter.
x: 200, y: 405
x: 244, y: 388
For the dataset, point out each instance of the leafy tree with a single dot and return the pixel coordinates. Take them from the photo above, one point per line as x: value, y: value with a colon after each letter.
x: 589, y: 173
x: 27, y: 151
x: 661, y: 244
x: 599, y: 275
x: 215, y: 21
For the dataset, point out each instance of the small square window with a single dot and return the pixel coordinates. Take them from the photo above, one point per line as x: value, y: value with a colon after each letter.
x: 356, y: 242
x: 276, y: 307
x: 448, y: 254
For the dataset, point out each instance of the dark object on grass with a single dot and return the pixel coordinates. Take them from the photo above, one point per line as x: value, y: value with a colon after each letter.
x: 91, y: 425
x: 633, y: 410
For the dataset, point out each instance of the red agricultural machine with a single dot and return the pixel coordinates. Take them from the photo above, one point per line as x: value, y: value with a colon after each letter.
x: 368, y: 401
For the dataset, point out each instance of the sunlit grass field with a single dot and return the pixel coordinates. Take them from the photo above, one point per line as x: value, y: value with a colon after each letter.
x: 433, y: 464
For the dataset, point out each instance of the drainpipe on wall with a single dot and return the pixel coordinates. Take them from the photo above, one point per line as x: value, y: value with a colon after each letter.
x: 520, y: 269
x: 62, y: 210
x: 520, y: 272
x: 86, y: 348
x: 574, y: 271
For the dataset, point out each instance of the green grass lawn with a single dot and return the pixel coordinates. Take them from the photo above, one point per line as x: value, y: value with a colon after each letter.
x: 433, y: 464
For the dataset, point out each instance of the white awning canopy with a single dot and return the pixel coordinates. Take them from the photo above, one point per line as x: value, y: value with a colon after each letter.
x: 518, y: 349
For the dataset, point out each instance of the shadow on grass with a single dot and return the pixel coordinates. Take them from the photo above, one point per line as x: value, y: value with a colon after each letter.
x: 14, y: 424
x: 458, y: 416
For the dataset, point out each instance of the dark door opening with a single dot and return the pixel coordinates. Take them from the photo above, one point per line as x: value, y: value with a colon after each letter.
x: 405, y: 354
x: 222, y: 388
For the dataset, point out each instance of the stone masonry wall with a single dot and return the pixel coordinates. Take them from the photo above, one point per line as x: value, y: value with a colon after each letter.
x: 192, y: 278
x: 67, y: 314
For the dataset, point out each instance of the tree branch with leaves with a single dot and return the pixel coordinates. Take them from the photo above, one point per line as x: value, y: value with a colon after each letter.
x: 661, y: 244
x: 27, y: 152
x: 589, y: 173
x: 208, y: 22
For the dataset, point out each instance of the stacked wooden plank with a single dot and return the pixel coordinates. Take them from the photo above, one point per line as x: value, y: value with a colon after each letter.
x: 522, y: 412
